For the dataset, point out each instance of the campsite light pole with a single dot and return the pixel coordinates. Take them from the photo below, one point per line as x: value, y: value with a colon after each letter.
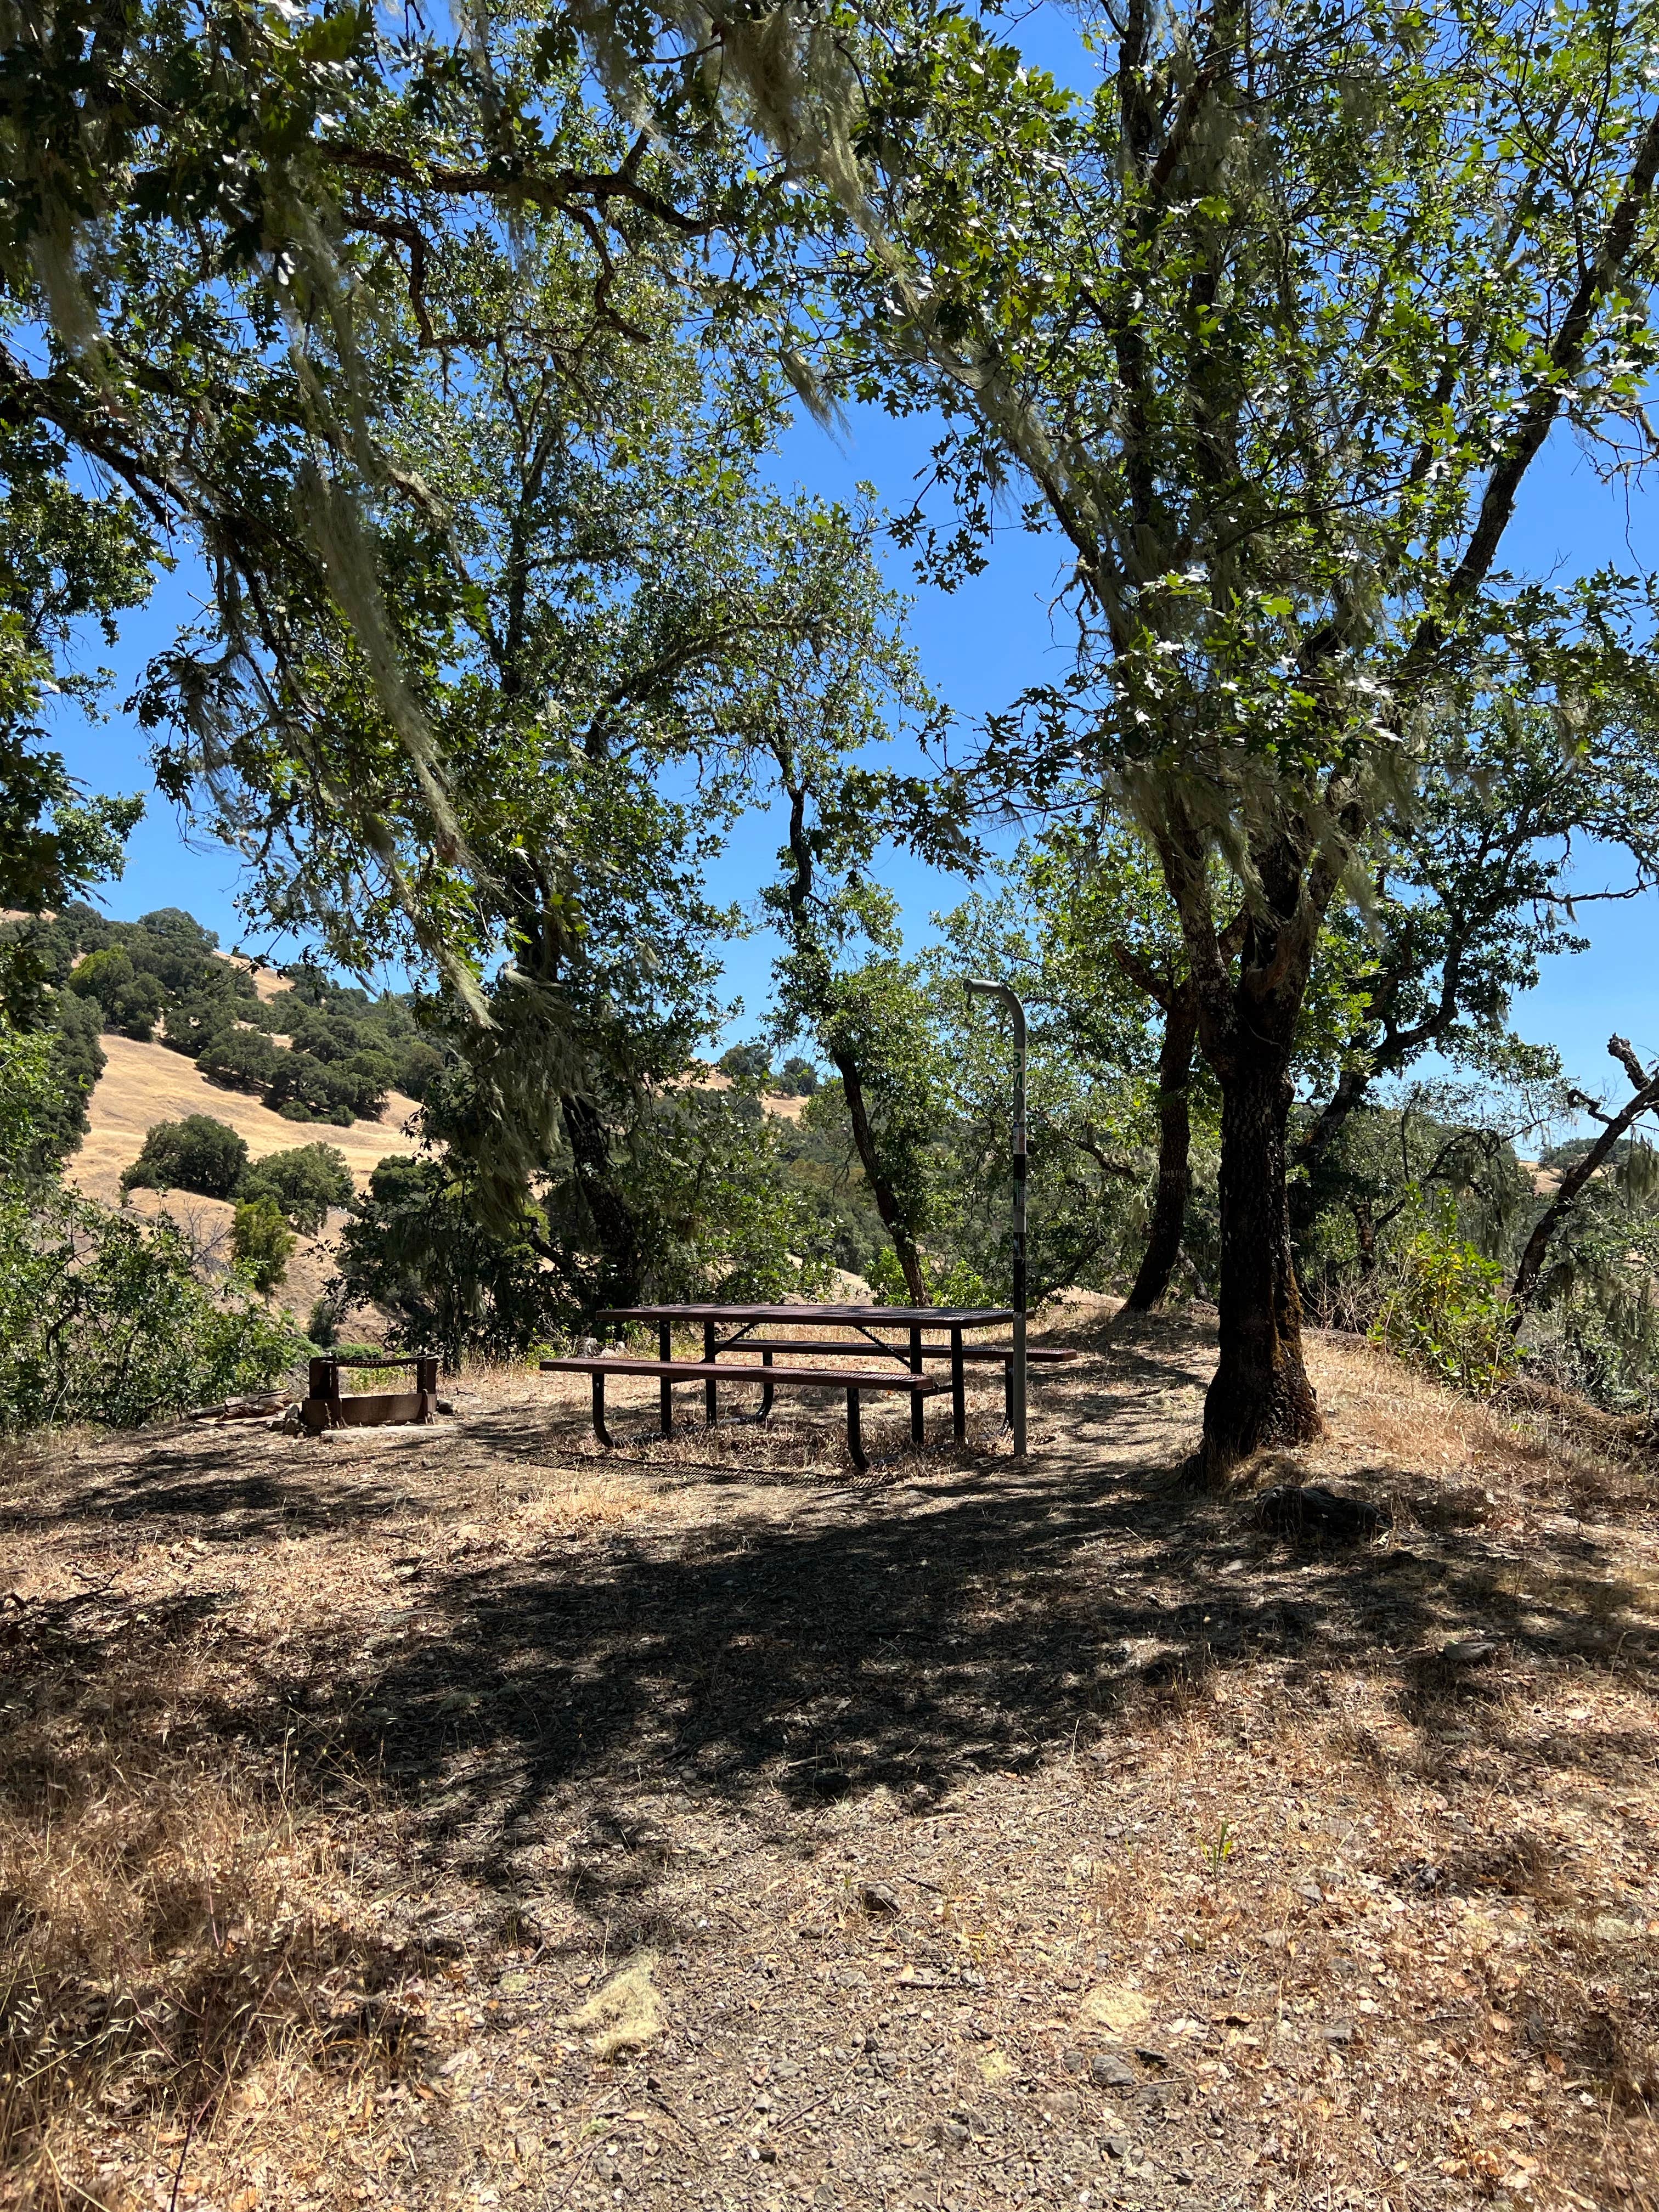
x: 1006, y: 994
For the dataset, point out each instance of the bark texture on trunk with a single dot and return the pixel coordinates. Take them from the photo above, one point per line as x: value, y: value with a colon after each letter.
x: 1175, y: 1174
x: 1319, y: 1140
x: 1247, y: 1018
x: 1261, y: 1394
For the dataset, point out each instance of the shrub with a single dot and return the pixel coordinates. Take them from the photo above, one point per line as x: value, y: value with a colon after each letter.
x: 1447, y: 1313
x: 307, y: 1089
x: 197, y: 1154
x: 717, y: 1216
x: 25, y: 1090
x: 179, y: 936
x: 239, y: 1059
x: 102, y: 1318
x: 417, y: 1251
x: 796, y: 1079
x: 47, y: 1077
x: 261, y: 1242
x: 959, y: 1286
x: 418, y: 1062
x: 304, y: 1182
x: 201, y: 1017
x: 746, y: 1064
x: 131, y: 1000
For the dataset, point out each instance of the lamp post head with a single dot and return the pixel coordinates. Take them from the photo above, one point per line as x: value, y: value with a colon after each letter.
x: 985, y: 987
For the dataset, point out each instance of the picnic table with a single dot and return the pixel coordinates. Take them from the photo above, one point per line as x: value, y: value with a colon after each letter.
x: 731, y: 1329
x: 740, y: 1323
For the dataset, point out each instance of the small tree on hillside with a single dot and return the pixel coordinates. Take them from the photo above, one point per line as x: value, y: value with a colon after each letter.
x: 303, y: 1183
x: 261, y: 1242
x: 196, y: 1154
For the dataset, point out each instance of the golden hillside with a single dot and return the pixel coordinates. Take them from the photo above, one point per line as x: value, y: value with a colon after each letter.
x: 144, y: 1083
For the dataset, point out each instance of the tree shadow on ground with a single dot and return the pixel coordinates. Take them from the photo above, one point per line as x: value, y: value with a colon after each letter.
x: 812, y: 1642
x: 979, y: 1619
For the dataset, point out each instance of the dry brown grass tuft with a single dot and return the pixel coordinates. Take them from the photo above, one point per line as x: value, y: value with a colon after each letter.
x: 626, y: 2013
x: 169, y: 1926
x: 587, y: 1501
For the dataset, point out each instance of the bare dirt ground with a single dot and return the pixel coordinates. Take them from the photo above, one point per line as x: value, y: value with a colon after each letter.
x: 454, y: 1817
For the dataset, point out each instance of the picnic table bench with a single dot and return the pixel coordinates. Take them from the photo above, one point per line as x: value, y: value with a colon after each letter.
x: 853, y: 1381
x: 913, y: 1354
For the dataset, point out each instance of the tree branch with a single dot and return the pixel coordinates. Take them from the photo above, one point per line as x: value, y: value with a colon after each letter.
x: 1524, y: 1288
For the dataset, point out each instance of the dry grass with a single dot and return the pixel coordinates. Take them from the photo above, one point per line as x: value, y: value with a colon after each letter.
x: 143, y: 1084
x: 175, y: 1960
x: 991, y: 1835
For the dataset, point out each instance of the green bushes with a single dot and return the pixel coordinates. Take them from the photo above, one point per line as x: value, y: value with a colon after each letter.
x: 239, y: 1059
x: 205, y: 1155
x: 796, y: 1079
x: 131, y: 1000
x: 303, y: 1088
x: 196, y: 1154
x: 303, y: 1183
x: 1446, y: 1311
x: 77, y: 1061
x: 25, y: 1096
x: 103, y: 1318
x: 261, y: 1242
x: 417, y: 1250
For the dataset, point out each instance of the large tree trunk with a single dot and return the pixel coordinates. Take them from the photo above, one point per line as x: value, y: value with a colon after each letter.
x: 1261, y: 1394
x: 887, y: 1203
x: 1319, y: 1140
x: 1175, y: 1174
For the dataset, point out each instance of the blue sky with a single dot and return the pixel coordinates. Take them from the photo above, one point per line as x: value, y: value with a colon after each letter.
x: 979, y: 648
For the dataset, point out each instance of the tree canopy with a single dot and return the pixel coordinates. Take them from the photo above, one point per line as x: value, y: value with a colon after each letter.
x: 458, y: 351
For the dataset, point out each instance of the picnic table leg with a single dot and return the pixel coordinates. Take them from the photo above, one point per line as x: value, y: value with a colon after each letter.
x: 916, y: 1430
x: 666, y: 1393
x: 600, y: 1429
x: 958, y: 1392
x: 426, y: 1383
x: 854, y: 1439
x: 766, y: 1387
x: 710, y: 1408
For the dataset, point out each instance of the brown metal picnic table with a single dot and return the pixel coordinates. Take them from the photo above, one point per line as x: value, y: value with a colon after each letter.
x: 741, y: 1322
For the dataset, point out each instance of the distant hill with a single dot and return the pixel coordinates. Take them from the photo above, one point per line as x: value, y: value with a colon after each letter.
x: 153, y: 1022
x: 143, y: 1084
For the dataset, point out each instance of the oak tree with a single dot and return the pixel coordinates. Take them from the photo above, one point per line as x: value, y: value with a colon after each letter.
x: 1269, y: 333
